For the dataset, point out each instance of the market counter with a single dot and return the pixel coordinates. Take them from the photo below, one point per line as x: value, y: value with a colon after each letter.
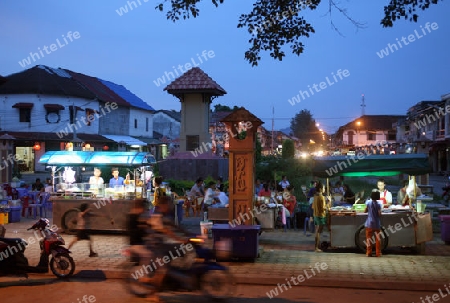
x: 111, y: 215
x: 401, y: 229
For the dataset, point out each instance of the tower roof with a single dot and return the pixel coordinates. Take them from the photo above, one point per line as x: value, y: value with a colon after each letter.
x: 195, y: 81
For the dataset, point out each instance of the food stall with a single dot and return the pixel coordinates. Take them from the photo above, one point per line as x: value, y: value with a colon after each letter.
x: 110, y: 204
x: 401, y: 226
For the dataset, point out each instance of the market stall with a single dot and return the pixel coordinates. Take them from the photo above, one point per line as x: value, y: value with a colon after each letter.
x: 110, y: 204
x: 401, y: 226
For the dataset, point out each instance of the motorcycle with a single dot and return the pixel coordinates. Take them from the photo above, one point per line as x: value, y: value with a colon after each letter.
x: 13, y: 260
x: 199, y: 272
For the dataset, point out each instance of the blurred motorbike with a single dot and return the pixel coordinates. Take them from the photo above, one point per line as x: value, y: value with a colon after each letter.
x: 202, y: 273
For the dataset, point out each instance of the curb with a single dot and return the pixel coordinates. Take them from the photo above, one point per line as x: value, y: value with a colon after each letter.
x: 241, y: 279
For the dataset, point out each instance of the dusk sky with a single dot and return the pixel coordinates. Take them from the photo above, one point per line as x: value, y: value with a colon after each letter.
x: 137, y: 47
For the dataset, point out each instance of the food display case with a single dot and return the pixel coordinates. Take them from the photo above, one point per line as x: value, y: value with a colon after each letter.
x: 400, y: 226
x: 110, y: 205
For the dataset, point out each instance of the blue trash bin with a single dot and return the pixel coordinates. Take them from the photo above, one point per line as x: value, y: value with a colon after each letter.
x: 14, y: 214
x: 180, y: 204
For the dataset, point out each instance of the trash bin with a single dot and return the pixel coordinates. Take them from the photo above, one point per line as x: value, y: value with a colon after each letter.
x: 14, y: 214
x: 445, y: 228
x: 179, y: 205
x: 4, y: 212
x: 244, y: 240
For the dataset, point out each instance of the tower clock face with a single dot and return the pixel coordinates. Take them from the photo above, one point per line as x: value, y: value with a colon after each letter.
x: 52, y: 117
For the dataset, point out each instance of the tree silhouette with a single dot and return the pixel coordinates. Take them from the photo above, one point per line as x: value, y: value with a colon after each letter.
x: 275, y: 24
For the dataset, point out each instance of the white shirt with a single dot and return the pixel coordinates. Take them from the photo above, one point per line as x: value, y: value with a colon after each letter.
x: 387, y: 196
x: 284, y: 183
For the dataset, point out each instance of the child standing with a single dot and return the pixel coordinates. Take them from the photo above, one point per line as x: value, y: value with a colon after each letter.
x: 373, y: 223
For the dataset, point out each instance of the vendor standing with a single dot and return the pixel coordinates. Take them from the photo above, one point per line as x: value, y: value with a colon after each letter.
x: 385, y: 195
x: 116, y: 179
x: 96, y: 180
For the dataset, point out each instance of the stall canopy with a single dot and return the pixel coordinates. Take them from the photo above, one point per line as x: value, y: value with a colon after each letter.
x: 371, y: 165
x: 89, y: 158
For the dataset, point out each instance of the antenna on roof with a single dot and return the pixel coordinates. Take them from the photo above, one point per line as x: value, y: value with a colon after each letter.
x: 363, y: 105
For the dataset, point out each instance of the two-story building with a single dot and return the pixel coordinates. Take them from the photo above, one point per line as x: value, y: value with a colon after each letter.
x: 368, y: 131
x: 425, y: 129
x: 47, y: 109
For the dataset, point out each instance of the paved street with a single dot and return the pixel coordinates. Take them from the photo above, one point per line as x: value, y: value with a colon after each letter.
x: 283, y: 255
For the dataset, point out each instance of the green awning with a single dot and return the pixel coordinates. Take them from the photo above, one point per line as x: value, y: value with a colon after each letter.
x: 89, y: 158
x: 371, y: 165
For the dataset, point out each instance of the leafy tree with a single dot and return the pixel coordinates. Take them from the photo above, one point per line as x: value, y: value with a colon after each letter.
x: 288, y: 151
x: 303, y: 126
x: 273, y: 24
x: 258, y: 156
x: 224, y: 108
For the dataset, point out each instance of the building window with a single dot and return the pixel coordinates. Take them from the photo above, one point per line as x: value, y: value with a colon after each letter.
x: 371, y: 136
x: 25, y: 115
x: 391, y: 136
x: 90, y: 116
x: 146, y: 124
x: 135, y: 123
x: 53, y: 115
x: 192, y: 142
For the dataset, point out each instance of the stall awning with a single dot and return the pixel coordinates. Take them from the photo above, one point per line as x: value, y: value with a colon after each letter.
x: 125, y: 139
x: 53, y: 107
x: 371, y: 165
x: 87, y: 158
x: 23, y: 105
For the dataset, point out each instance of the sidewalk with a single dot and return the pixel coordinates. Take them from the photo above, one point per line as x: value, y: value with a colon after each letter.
x: 283, y: 255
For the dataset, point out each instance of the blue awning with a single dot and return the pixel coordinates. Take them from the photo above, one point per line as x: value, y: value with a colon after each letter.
x: 89, y: 158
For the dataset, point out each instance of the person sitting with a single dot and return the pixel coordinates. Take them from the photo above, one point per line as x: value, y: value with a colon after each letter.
x: 210, y: 195
x: 219, y: 184
x: 37, y: 186
x: 290, y: 203
x: 265, y: 192
x: 197, y: 189
x: 349, y: 195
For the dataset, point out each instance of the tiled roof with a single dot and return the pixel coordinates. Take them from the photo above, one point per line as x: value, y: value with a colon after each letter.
x: 241, y: 114
x: 127, y: 95
x: 374, y: 122
x: 195, y: 80
x: 176, y: 115
x: 103, y: 92
x: 216, y: 117
x: 42, y: 79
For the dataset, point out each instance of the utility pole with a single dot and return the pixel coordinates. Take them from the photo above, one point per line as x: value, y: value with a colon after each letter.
x: 273, y: 117
x: 363, y: 105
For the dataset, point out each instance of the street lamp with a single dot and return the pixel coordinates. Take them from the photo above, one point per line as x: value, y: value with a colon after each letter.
x: 358, y: 124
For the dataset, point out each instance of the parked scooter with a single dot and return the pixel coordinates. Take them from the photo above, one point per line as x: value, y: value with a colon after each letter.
x: 13, y: 260
x: 202, y: 273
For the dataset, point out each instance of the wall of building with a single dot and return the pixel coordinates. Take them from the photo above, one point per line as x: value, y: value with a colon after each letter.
x: 143, y: 119
x: 115, y: 122
x: 194, y: 119
x: 166, y: 125
x: 9, y: 116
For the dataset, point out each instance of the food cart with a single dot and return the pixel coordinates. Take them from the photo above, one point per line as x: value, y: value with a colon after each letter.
x: 401, y: 227
x: 110, y: 204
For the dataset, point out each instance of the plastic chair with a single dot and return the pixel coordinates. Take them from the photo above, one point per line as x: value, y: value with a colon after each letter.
x: 45, y: 204
x: 26, y: 206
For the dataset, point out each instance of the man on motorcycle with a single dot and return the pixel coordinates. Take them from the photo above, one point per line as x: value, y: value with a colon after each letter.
x: 153, y: 237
